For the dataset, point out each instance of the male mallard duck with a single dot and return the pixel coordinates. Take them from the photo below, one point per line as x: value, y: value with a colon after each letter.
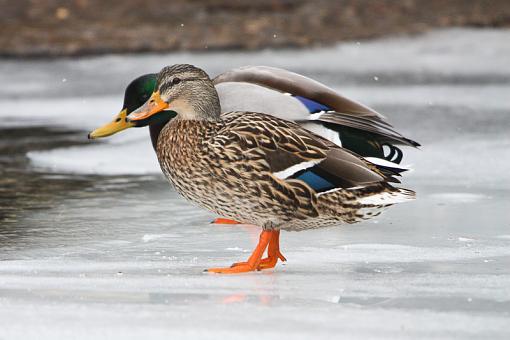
x: 285, y: 95
x: 259, y: 169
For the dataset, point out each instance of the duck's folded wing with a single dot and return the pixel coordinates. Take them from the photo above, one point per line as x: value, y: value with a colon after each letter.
x: 284, y: 150
x: 316, y: 107
x: 298, y: 85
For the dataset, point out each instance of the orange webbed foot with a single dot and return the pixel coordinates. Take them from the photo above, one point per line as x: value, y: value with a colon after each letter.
x: 273, y: 252
x: 221, y: 220
x: 241, y: 268
x: 270, y: 261
x: 266, y: 263
x: 269, y: 239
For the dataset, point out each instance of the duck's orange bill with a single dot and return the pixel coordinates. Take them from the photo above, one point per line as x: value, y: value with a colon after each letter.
x: 154, y: 105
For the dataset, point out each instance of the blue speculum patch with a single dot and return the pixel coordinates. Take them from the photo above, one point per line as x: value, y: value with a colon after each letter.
x: 315, y: 181
x: 311, y: 105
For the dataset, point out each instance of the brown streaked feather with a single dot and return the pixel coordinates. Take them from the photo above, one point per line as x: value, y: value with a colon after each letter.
x: 286, y: 144
x: 348, y: 170
x: 283, y: 143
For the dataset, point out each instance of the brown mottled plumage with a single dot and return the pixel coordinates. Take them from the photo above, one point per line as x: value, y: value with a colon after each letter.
x: 245, y: 165
x: 229, y: 168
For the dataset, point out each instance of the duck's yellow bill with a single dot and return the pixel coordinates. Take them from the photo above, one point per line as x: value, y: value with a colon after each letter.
x: 154, y: 105
x: 119, y: 123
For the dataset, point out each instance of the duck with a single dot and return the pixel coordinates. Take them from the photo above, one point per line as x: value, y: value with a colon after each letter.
x: 260, y: 169
x: 286, y: 95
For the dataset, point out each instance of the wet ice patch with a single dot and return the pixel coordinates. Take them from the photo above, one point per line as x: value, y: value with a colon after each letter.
x: 465, y: 239
x: 459, y: 197
x: 396, y: 253
x: 153, y: 237
x: 74, y: 112
x: 467, y: 96
x: 234, y: 249
x: 137, y: 158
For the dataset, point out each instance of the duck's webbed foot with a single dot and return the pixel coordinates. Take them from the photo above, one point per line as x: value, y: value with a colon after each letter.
x: 268, y: 239
x: 221, y: 220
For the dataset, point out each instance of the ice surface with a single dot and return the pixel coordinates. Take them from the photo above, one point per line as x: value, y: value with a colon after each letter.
x: 123, y: 258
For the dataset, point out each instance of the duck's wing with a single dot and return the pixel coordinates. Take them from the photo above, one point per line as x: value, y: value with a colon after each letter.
x: 314, y: 106
x: 299, y: 85
x: 284, y: 150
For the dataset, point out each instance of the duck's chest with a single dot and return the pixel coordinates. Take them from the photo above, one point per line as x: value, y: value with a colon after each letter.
x: 185, y: 156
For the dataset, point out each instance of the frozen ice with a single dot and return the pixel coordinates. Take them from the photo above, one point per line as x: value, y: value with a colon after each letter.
x: 124, y: 257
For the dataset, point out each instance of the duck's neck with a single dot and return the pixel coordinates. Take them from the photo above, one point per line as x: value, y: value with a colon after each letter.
x: 201, y: 104
x: 206, y: 107
x: 157, y: 123
x: 155, y: 130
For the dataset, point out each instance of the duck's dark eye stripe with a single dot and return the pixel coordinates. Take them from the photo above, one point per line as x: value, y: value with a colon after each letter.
x: 117, y: 120
x: 176, y: 81
x: 165, y: 87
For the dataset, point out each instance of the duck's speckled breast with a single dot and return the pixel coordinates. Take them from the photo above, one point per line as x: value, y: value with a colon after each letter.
x: 181, y: 155
x: 221, y: 182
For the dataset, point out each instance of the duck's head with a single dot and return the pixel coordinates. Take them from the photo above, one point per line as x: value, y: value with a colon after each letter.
x: 184, y: 89
x: 135, y: 95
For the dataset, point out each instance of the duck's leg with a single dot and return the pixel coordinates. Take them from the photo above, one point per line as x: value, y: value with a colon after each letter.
x: 221, y: 220
x: 254, y: 260
x: 273, y: 253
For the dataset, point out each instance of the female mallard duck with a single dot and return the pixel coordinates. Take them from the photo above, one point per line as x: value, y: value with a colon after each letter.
x: 256, y: 168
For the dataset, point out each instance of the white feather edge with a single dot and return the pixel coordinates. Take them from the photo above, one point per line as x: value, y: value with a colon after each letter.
x: 388, y: 164
x: 329, y: 191
x: 315, y: 116
x: 285, y: 173
x: 383, y: 198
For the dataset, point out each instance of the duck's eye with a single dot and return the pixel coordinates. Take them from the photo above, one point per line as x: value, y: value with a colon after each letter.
x: 176, y: 81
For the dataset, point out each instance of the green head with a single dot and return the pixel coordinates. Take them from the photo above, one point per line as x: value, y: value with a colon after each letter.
x: 135, y: 95
x: 139, y: 91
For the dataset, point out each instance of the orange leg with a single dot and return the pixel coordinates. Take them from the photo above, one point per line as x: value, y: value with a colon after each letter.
x: 221, y: 220
x: 273, y: 253
x: 254, y: 260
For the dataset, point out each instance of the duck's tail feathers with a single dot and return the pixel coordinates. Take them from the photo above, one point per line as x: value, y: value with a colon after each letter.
x: 387, y: 197
x: 374, y: 203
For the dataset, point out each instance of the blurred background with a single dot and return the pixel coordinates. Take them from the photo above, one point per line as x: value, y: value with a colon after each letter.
x: 94, y: 242
x: 33, y: 28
